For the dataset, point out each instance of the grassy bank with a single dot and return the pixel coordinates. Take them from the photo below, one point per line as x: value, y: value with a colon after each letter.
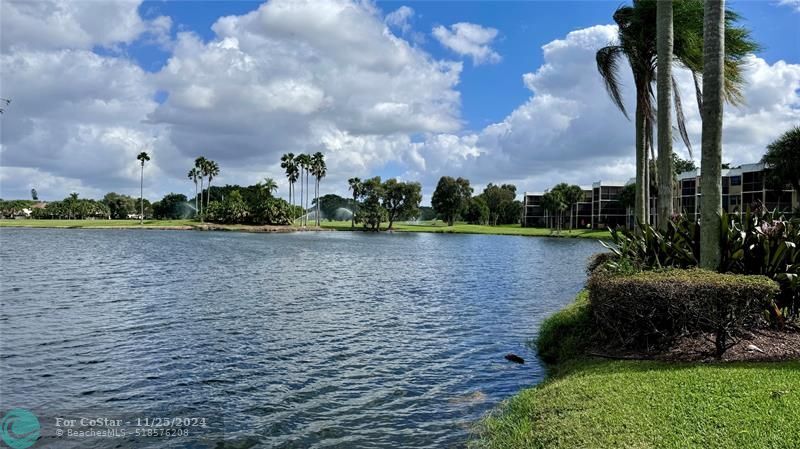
x: 637, y: 404
x: 595, y: 403
x: 436, y: 227
x: 463, y: 228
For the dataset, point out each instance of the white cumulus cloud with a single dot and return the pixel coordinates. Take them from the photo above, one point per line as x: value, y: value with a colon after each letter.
x: 469, y: 39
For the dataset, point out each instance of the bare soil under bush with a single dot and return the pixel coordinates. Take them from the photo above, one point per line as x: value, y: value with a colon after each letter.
x: 772, y: 345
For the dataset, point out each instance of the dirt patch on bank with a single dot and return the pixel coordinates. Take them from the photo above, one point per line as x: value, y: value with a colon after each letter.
x: 756, y: 345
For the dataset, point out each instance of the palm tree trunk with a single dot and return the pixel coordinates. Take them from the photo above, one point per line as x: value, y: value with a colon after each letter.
x: 307, y: 194
x: 208, y: 193
x: 711, y: 158
x: 353, y: 212
x: 640, y: 204
x: 664, y: 90
x: 201, y: 199
x: 141, y: 196
x: 195, y: 196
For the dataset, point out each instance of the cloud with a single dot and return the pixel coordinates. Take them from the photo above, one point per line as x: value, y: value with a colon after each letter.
x: 57, y: 24
x: 469, y: 39
x: 329, y: 76
x: 792, y: 3
x: 400, y: 18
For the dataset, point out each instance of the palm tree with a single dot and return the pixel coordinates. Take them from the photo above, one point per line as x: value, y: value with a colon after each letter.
x: 270, y: 185
x: 211, y: 170
x: 664, y: 119
x: 200, y: 164
x: 142, y: 157
x: 711, y: 151
x: 3, y: 103
x: 290, y: 167
x: 303, y: 162
x: 355, y: 187
x: 319, y: 170
x: 637, y: 43
x: 193, y: 176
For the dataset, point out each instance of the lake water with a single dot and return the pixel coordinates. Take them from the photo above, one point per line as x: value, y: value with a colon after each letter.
x: 322, y: 340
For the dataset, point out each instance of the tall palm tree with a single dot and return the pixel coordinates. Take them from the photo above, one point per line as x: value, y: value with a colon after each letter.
x: 711, y: 157
x: 290, y: 168
x: 270, y: 185
x: 664, y: 119
x: 211, y: 170
x: 200, y: 164
x: 319, y: 170
x: 142, y: 157
x: 303, y: 162
x: 193, y: 176
x: 355, y: 187
x: 637, y: 43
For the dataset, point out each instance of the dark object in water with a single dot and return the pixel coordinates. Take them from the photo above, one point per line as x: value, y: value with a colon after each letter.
x: 514, y: 358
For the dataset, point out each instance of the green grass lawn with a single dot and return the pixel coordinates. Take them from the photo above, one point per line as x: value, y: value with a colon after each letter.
x: 463, y: 228
x: 637, y: 404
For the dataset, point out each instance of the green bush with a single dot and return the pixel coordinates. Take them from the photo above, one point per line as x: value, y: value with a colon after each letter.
x: 757, y: 242
x: 566, y: 334
x: 648, y: 309
x: 599, y: 260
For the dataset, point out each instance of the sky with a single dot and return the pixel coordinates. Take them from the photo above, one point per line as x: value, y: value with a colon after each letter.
x: 501, y: 92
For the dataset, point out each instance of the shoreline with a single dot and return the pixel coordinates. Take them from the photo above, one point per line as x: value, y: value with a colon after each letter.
x: 188, y: 225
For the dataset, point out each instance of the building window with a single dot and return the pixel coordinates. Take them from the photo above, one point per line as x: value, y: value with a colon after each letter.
x: 736, y: 180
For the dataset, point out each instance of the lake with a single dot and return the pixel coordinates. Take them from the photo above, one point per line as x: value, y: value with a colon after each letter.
x: 306, y: 340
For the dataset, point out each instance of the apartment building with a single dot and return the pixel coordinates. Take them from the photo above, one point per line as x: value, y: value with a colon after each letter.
x: 742, y: 187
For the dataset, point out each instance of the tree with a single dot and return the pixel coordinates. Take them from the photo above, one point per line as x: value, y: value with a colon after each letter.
x: 119, y: 206
x: 495, y: 197
x: 553, y: 203
x: 331, y: 206
x: 682, y: 165
x: 193, y: 176
x: 211, y: 170
x: 303, y: 162
x: 477, y: 211
x: 289, y: 165
x: 637, y: 26
x: 664, y: 111
x: 319, y: 170
x: 450, y: 197
x: 200, y: 164
x: 269, y: 185
x: 356, y: 186
x: 142, y: 157
x: 711, y: 112
x: 569, y: 195
x: 401, y: 199
x: 3, y: 103
x: 171, y: 207
x: 34, y: 195
x: 372, y: 213
x: 783, y: 160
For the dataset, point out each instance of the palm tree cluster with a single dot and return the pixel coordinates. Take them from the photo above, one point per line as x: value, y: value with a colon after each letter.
x: 561, y: 198
x: 304, y: 166
x: 655, y: 35
x: 203, y: 169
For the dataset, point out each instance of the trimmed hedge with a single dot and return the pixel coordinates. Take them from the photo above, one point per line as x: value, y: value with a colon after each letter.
x: 652, y: 308
x: 566, y: 333
x: 599, y: 260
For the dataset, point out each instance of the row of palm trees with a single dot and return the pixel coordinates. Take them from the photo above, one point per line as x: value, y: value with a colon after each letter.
x: 701, y: 36
x: 203, y: 169
x: 302, y: 166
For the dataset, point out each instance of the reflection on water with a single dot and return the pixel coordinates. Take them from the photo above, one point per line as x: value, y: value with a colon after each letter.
x: 290, y: 340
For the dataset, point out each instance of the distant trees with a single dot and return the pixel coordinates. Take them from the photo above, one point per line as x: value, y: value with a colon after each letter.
x: 318, y: 170
x: 73, y: 207
x: 34, y: 195
x: 372, y: 213
x: 331, y: 206
x: 451, y: 197
x: 292, y: 171
x: 401, y: 199
x: 783, y: 159
x: 477, y: 211
x: 171, y: 207
x: 193, y: 175
x: 119, y: 206
x: 355, y: 186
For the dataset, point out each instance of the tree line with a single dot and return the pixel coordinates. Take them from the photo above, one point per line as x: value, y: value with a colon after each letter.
x: 300, y: 167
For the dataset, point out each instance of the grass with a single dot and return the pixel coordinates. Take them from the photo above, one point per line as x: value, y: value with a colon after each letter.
x: 565, y: 334
x: 591, y: 403
x: 435, y: 227
x: 638, y: 404
x: 463, y: 228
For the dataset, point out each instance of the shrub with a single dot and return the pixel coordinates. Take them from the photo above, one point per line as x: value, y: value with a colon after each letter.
x: 272, y: 211
x: 599, y: 260
x: 653, y: 308
x: 756, y: 242
x: 566, y: 334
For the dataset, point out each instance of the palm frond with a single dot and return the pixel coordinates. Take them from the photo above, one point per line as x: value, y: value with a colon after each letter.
x: 676, y: 93
x: 608, y: 65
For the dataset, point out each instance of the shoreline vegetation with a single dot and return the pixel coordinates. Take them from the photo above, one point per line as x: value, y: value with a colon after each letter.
x: 438, y: 227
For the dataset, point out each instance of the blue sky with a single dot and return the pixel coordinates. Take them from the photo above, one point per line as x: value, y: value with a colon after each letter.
x: 490, y: 91
x: 502, y: 92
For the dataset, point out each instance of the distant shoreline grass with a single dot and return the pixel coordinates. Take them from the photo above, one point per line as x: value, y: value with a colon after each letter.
x: 431, y: 227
